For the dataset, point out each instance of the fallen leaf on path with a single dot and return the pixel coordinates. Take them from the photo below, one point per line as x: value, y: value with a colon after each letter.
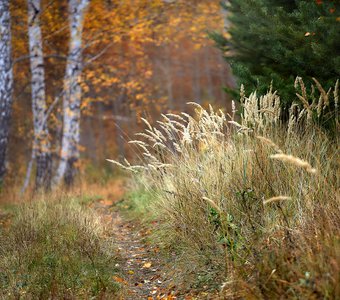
x: 147, y: 265
x: 106, y: 202
x: 138, y: 284
x: 119, y: 279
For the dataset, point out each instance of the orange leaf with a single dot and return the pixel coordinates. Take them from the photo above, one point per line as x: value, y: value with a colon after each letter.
x: 119, y: 279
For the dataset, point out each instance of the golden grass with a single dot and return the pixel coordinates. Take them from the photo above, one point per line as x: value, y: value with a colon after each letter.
x: 210, y: 178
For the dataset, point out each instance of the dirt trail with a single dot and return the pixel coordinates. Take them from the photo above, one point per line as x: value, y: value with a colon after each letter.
x: 141, y: 265
x: 143, y: 274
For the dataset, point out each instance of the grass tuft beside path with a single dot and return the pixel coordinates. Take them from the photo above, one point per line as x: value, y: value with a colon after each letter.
x: 56, y: 248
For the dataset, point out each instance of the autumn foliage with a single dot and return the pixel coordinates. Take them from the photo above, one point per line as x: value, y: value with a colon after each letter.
x: 140, y: 58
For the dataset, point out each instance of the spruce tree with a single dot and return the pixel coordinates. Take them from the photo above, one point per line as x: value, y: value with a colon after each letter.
x: 276, y: 40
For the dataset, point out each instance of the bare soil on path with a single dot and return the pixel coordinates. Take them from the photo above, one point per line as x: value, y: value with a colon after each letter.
x: 143, y: 275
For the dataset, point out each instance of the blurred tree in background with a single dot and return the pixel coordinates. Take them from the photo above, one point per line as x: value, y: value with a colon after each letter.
x: 138, y: 58
x: 270, y: 40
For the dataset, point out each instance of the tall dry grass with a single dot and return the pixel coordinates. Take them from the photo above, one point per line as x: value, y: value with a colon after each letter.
x: 255, y: 202
x: 56, y: 248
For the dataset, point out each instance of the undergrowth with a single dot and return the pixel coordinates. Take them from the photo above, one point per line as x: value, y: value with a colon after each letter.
x: 56, y: 249
x: 251, y: 202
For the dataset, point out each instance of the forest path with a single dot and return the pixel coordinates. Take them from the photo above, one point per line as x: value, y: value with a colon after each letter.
x: 142, y: 269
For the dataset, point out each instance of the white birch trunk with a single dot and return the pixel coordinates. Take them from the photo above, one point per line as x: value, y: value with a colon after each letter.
x: 6, y: 82
x: 69, y: 155
x: 230, y: 80
x: 226, y: 22
x: 41, y: 144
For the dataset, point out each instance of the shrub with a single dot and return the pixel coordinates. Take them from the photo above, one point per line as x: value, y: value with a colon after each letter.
x: 252, y: 202
x: 55, y: 249
x: 271, y: 40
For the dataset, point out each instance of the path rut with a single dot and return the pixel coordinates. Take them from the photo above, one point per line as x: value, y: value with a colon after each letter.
x: 142, y: 269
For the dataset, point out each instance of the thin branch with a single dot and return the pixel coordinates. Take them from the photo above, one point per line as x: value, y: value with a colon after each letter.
x: 103, y: 51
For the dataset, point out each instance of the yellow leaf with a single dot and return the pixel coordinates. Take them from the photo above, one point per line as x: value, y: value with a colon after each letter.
x: 147, y: 265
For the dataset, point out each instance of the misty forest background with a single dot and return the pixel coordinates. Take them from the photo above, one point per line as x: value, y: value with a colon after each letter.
x: 139, y: 58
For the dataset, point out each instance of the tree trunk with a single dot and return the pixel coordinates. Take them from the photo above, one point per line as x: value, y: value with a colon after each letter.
x: 69, y: 156
x: 226, y: 26
x: 102, y: 135
x: 6, y: 82
x: 225, y: 13
x: 41, y: 145
x: 118, y: 103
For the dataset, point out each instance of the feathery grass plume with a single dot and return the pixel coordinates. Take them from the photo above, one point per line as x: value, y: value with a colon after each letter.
x: 324, y: 97
x: 154, y: 135
x: 261, y: 113
x: 146, y: 136
x: 178, y: 147
x: 294, y: 161
x: 160, y: 134
x: 196, y: 105
x: 236, y: 124
x: 151, y: 157
x: 270, y: 143
x: 159, y: 145
x: 302, y: 114
x: 186, y: 136
x: 292, y: 122
x: 118, y: 164
x: 242, y: 94
x: 140, y: 144
x: 213, y: 204
x: 299, y: 82
x: 320, y: 105
x: 204, y: 161
x: 147, y: 123
x: 177, y: 117
x: 186, y: 115
x: 180, y: 125
x: 304, y: 100
x: 138, y: 167
x: 169, y: 124
x: 276, y: 198
x: 327, y: 98
x: 305, y: 104
x: 233, y: 109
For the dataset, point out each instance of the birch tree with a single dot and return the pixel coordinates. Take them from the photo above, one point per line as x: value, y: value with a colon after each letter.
x: 69, y: 155
x: 6, y: 82
x: 41, y: 143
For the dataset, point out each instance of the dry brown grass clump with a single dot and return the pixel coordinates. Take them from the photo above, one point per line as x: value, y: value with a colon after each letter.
x: 254, y: 203
x: 55, y: 249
